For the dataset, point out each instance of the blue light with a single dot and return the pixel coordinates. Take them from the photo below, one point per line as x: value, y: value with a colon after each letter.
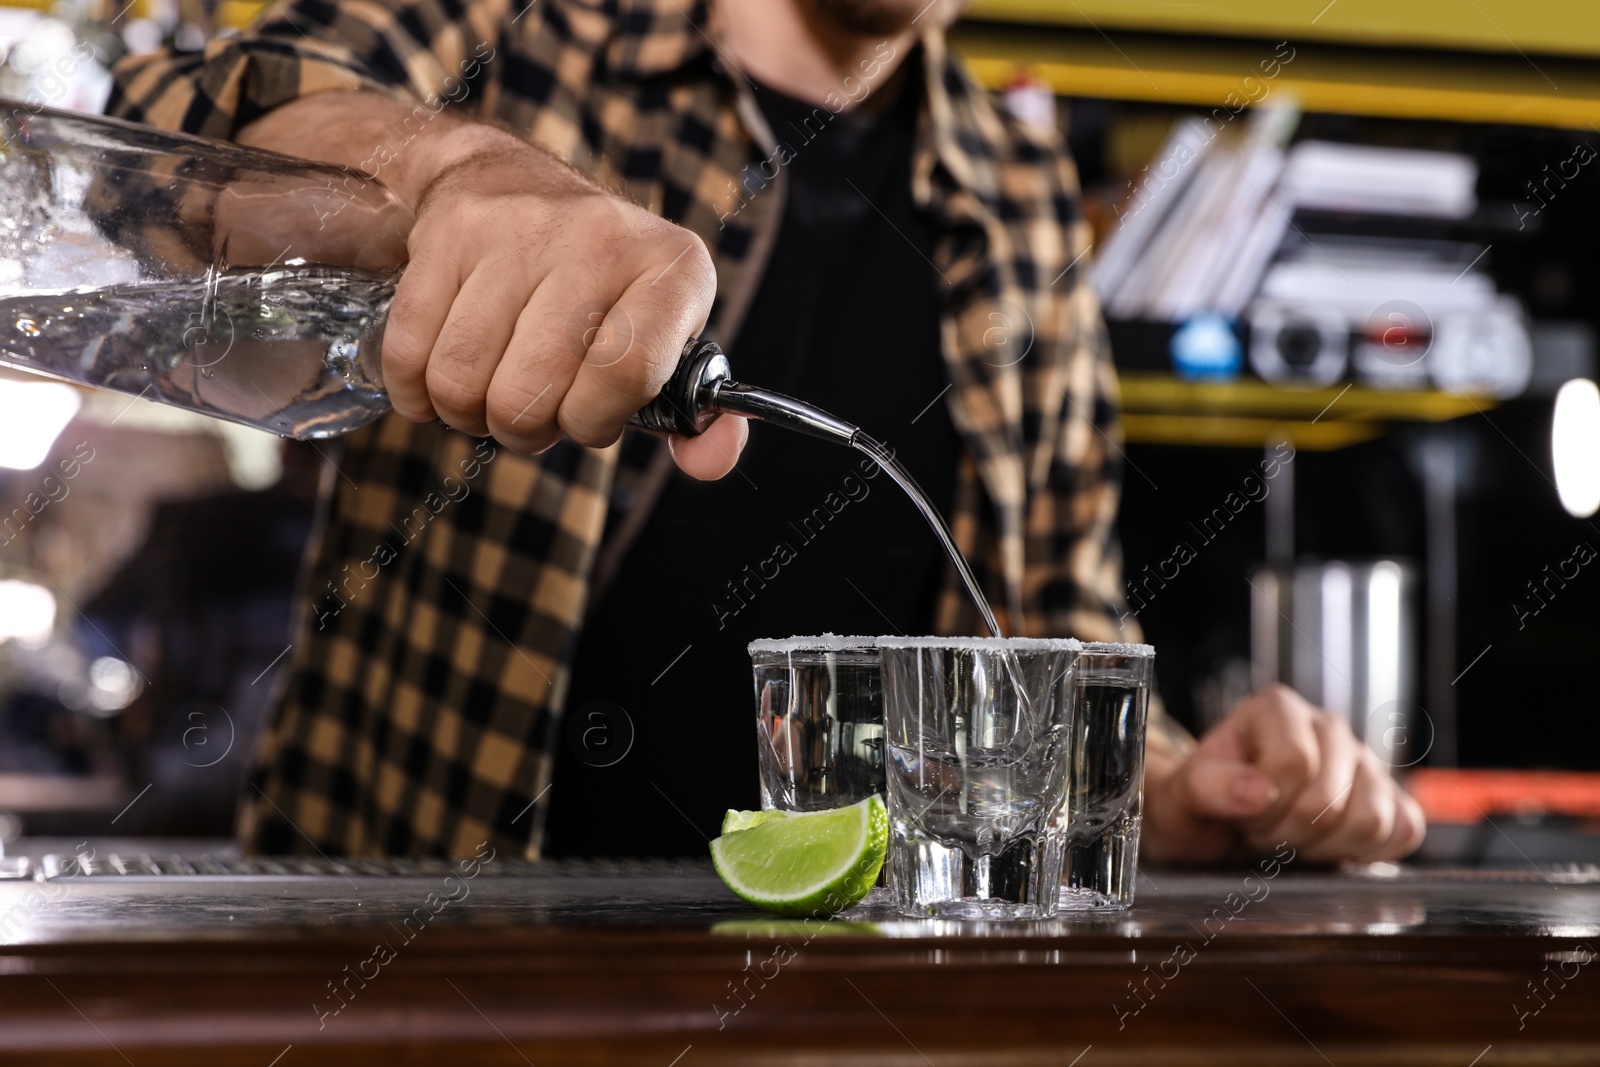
x: 1205, y: 347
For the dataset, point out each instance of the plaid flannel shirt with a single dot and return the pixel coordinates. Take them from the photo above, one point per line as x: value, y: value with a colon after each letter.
x: 448, y: 580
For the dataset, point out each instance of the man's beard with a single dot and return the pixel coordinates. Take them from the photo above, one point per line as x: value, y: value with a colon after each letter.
x: 868, y: 18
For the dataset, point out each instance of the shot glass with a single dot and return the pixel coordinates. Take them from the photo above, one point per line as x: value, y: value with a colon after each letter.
x: 977, y: 745
x: 1105, y: 782
x: 819, y: 721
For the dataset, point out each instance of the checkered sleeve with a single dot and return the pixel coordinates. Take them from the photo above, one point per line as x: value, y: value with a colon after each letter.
x: 1083, y: 595
x: 1078, y: 591
x: 412, y: 47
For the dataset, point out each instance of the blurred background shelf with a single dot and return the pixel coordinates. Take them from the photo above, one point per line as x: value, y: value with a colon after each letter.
x: 1389, y: 83
x: 1486, y: 25
x: 1359, y: 57
x: 1163, y: 410
x: 1455, y: 488
x: 1160, y: 393
x: 1235, y: 431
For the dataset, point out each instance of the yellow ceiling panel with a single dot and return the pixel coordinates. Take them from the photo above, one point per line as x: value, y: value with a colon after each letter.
x: 1199, y: 71
x: 1557, y: 27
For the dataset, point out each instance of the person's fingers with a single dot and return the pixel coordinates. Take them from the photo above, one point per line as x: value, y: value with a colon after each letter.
x: 1277, y: 769
x: 642, y: 339
x: 569, y: 339
x: 1367, y: 820
x: 565, y: 314
x: 1410, y: 827
x: 421, y: 303
x: 1215, y: 788
x: 1280, y: 741
x: 1188, y: 817
x: 471, y: 344
x: 714, y: 453
x: 1320, y: 807
x: 1405, y: 833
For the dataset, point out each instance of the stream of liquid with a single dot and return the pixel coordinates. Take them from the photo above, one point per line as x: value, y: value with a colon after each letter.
x: 902, y: 477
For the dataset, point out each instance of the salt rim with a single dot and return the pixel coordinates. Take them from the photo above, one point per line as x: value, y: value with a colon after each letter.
x: 1118, y: 648
x: 828, y: 642
x: 983, y: 644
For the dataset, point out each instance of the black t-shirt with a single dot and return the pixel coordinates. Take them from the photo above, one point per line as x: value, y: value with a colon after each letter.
x: 799, y: 539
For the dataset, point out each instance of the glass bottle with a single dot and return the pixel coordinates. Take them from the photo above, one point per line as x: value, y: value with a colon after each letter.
x: 222, y: 279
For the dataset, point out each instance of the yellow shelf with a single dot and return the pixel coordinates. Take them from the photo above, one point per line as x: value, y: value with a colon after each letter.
x: 230, y: 14
x: 1222, y: 431
x: 1166, y: 394
x: 237, y: 14
x: 1161, y: 409
x: 1544, y: 26
x: 1197, y: 72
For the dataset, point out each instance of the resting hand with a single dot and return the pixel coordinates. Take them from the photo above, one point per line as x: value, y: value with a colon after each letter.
x: 1277, y: 770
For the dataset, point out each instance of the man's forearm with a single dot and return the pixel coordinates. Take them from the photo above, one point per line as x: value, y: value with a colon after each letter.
x: 369, y: 131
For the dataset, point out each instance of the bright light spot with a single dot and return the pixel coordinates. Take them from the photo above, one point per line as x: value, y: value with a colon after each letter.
x: 32, y: 416
x: 1565, y: 930
x: 1384, y: 645
x: 113, y: 685
x: 46, y: 41
x: 1575, y: 447
x: 27, y: 612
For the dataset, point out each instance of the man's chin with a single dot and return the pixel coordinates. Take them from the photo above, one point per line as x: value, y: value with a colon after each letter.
x: 881, y: 18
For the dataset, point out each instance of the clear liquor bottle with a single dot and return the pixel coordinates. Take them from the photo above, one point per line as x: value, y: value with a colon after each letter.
x: 221, y: 279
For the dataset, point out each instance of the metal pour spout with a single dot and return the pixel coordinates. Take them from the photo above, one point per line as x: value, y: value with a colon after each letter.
x: 703, y: 387
x: 753, y: 402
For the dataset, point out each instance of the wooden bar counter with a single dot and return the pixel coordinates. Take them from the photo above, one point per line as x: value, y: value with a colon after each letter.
x: 157, y: 961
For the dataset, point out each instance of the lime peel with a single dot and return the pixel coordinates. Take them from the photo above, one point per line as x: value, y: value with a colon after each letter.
x: 803, y: 863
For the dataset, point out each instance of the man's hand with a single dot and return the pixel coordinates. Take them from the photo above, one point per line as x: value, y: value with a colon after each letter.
x: 1277, y: 769
x: 535, y: 304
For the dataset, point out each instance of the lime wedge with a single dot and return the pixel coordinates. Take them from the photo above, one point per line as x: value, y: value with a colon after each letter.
x: 804, y: 862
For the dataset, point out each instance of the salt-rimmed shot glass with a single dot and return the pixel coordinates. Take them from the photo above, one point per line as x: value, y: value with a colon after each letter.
x: 819, y: 721
x: 1105, y: 781
x: 978, y: 732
